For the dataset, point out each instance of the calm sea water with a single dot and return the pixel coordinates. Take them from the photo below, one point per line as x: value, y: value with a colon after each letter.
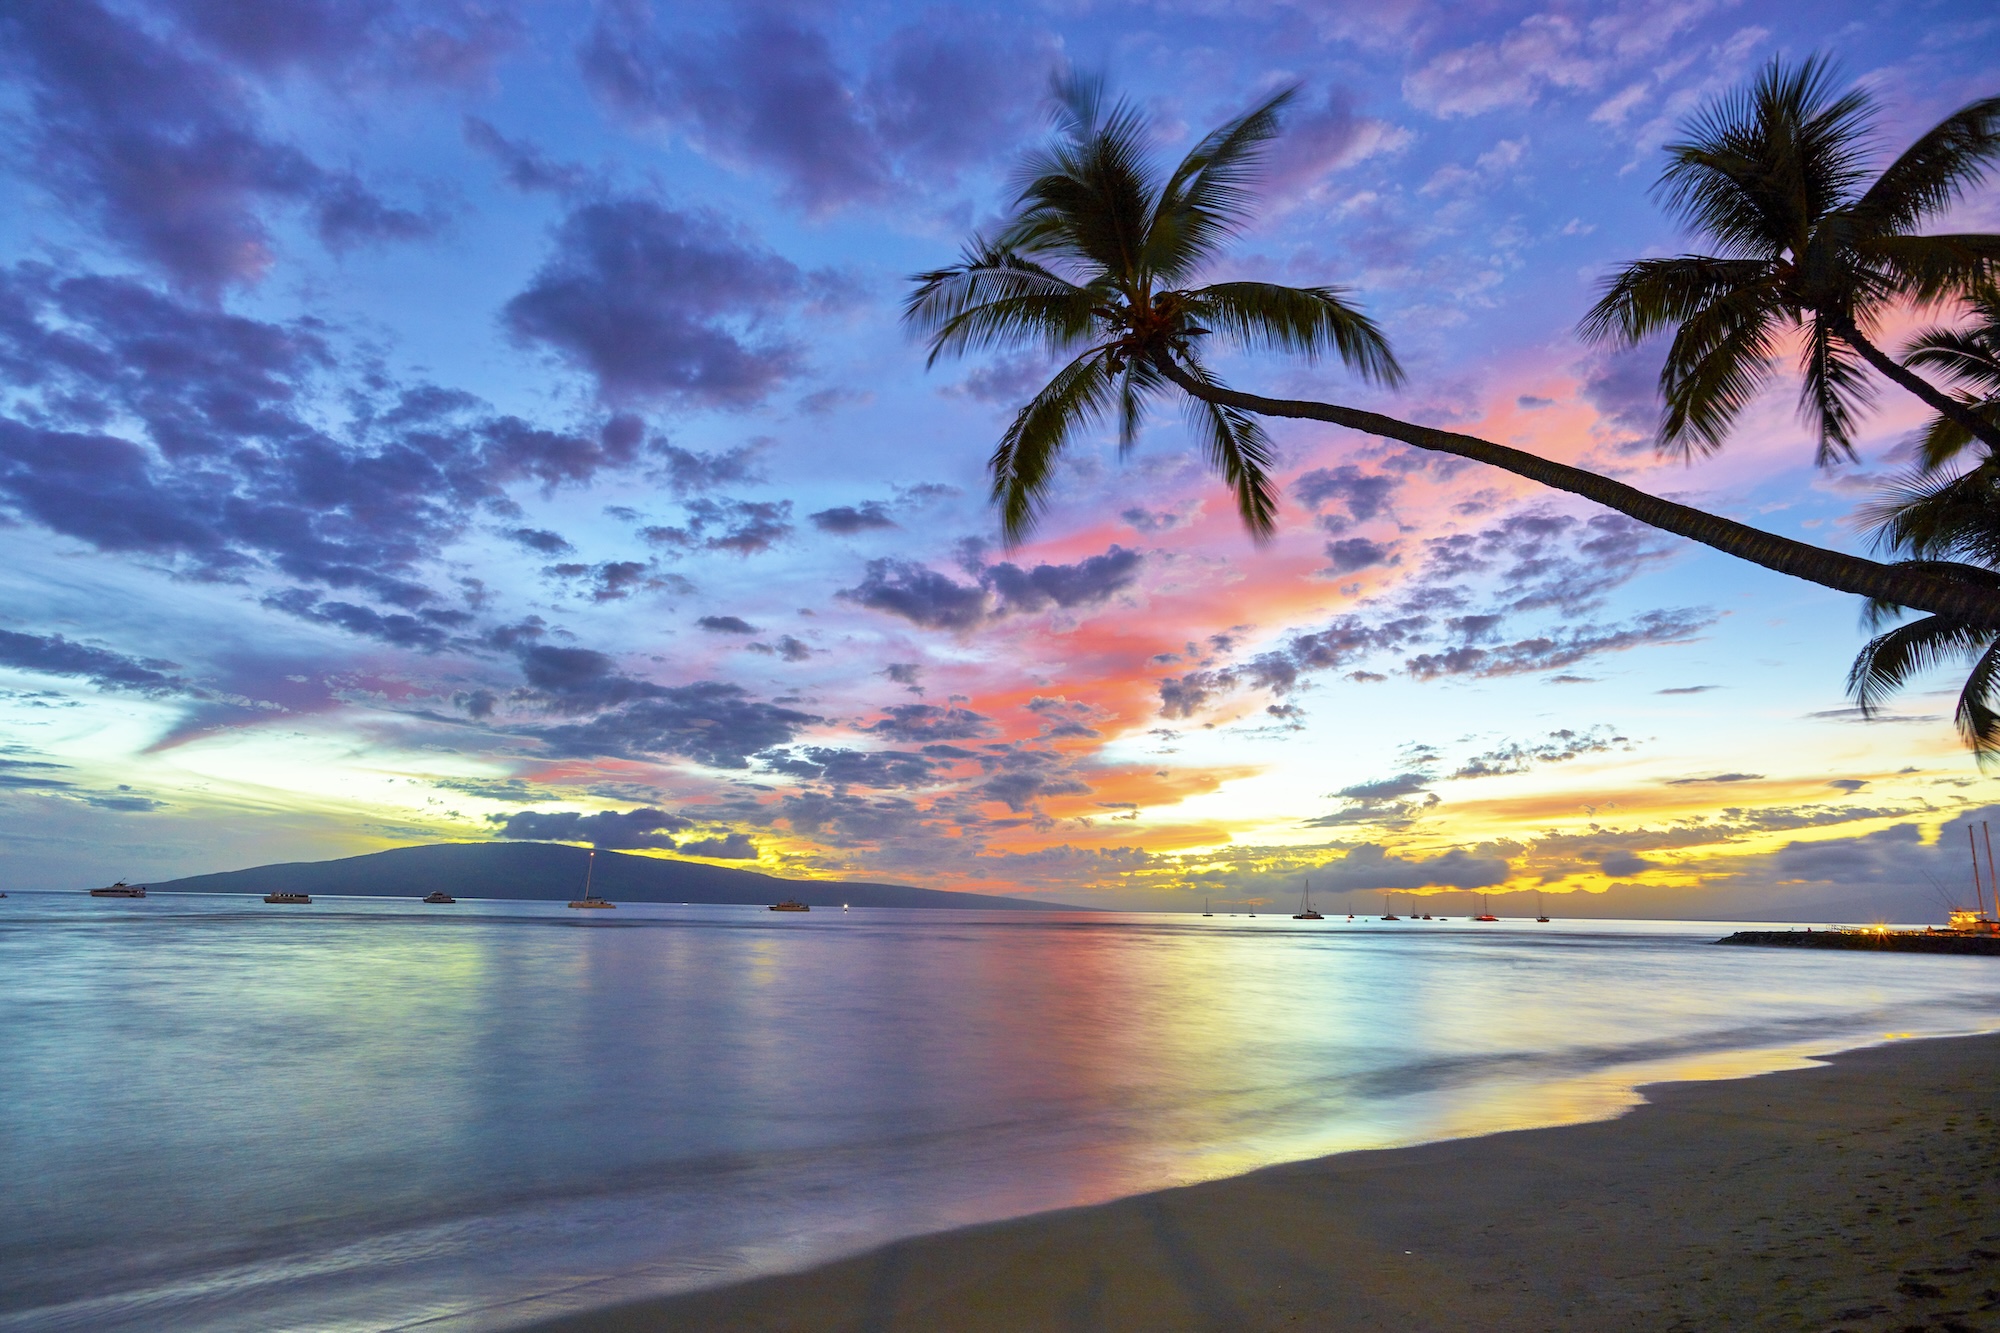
x: 370, y: 1114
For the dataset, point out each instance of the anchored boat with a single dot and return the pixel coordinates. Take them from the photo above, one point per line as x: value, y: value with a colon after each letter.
x: 590, y: 899
x: 789, y: 905
x: 1305, y: 912
x: 120, y: 890
x: 292, y: 898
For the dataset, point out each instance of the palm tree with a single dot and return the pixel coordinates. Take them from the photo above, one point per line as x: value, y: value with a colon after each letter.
x: 1091, y: 267
x: 1774, y: 177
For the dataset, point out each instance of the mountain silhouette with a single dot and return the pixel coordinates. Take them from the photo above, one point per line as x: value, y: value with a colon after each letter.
x: 554, y: 871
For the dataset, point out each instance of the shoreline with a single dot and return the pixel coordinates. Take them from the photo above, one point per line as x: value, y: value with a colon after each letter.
x: 1855, y: 1194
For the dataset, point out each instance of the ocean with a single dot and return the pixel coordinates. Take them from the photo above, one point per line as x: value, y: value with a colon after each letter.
x: 374, y: 1114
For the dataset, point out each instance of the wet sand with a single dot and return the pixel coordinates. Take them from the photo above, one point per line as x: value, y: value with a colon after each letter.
x: 1862, y: 1195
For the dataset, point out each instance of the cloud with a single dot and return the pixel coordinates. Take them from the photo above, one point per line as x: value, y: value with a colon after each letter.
x: 164, y: 151
x: 523, y: 165
x: 1717, y: 778
x: 844, y: 520
x: 745, y: 527
x: 224, y: 463
x: 690, y: 471
x: 1323, y: 138
x: 1355, y: 553
x: 53, y: 655
x: 917, y: 723
x: 728, y: 847
x: 1546, y: 52
x: 936, y: 601
x: 1559, y: 746
x: 1364, y: 495
x: 662, y: 306
x: 1369, y: 867
x: 726, y: 625
x: 434, y: 41
x: 843, y: 767
x: 540, y: 540
x: 1562, y: 649
x: 395, y: 628
x: 769, y: 94
x: 1085, y: 583
x: 631, y: 829
x: 709, y: 721
x: 788, y: 648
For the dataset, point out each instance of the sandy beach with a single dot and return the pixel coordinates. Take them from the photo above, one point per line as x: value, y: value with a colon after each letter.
x: 1861, y: 1195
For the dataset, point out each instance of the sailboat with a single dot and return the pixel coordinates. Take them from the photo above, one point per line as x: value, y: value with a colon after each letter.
x: 1541, y: 913
x: 1305, y: 912
x: 1388, y: 915
x: 1204, y: 908
x: 1484, y: 915
x: 589, y: 899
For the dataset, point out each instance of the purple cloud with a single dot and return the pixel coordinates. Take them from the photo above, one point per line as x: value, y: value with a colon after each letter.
x: 163, y: 150
x: 771, y: 94
x: 657, y: 305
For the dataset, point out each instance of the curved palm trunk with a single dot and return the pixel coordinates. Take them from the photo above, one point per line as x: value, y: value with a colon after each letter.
x: 1982, y: 430
x: 1831, y: 569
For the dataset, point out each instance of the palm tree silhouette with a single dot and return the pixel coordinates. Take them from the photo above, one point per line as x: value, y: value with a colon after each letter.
x: 1092, y: 267
x: 1774, y: 177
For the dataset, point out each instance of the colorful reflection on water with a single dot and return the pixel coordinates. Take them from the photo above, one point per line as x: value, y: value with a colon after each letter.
x: 372, y: 1114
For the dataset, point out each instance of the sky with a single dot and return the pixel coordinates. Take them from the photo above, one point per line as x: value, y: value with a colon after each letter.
x: 472, y: 419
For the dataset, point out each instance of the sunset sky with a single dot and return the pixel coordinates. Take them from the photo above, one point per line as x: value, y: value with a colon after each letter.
x: 461, y: 419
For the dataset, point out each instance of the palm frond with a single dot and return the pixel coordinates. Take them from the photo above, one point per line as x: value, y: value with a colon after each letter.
x: 1306, y: 321
x: 992, y: 297
x: 1718, y: 361
x: 1088, y: 197
x: 1024, y: 462
x: 1208, y: 197
x: 1137, y: 387
x: 1239, y: 449
x: 1936, y: 518
x: 1653, y: 294
x: 1978, y: 721
x: 1888, y: 661
x: 1933, y: 268
x: 1969, y: 357
x: 1935, y: 171
x: 1944, y: 438
x: 1759, y: 166
x: 1834, y: 386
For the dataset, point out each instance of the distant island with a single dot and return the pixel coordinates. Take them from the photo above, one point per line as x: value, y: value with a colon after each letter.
x: 554, y: 872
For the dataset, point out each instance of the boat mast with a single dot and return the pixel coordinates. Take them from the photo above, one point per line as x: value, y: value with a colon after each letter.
x: 1989, y: 868
x: 589, y: 866
x: 1972, y: 840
